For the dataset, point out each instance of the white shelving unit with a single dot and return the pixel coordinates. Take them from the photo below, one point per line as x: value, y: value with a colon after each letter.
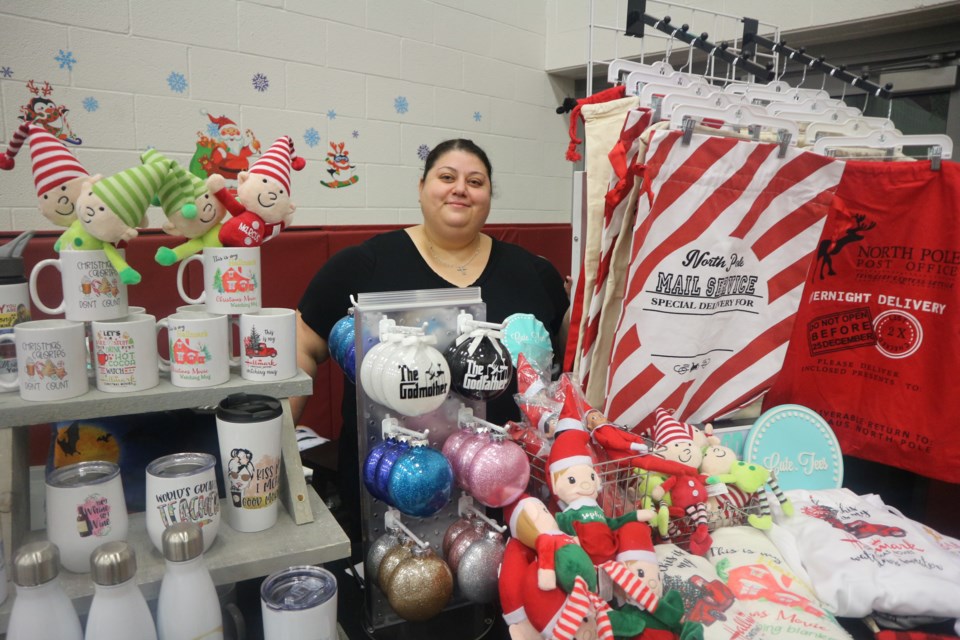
x: 305, y: 534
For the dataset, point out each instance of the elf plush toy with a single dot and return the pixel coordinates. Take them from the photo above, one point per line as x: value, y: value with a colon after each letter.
x: 688, y: 493
x: 749, y: 479
x: 110, y: 209
x: 57, y: 174
x: 262, y: 207
x: 191, y: 211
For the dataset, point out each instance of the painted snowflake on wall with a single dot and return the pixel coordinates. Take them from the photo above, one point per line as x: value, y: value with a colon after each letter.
x: 65, y: 59
x: 177, y: 82
x: 312, y: 137
x: 331, y: 114
x: 213, y: 130
x: 6, y: 72
x: 355, y: 134
x: 260, y: 82
x: 477, y: 116
x: 423, y: 151
x: 91, y: 104
x: 400, y: 104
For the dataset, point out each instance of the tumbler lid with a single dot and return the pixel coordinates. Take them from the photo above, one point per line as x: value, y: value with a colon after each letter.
x: 244, y: 407
x: 36, y: 563
x: 182, y: 541
x: 298, y: 588
x: 11, y: 262
x: 113, y: 563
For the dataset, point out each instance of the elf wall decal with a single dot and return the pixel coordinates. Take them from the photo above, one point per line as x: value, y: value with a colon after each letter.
x: 339, y: 167
x: 43, y: 111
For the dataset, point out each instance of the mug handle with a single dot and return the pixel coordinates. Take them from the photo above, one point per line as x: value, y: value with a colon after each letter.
x: 180, y: 271
x: 161, y: 361
x: 234, y: 321
x: 35, y: 295
x: 12, y: 384
x: 239, y: 624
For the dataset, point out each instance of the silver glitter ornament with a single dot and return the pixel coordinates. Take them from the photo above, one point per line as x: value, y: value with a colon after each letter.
x: 477, y: 571
x: 379, y: 548
x: 391, y: 560
x: 420, y: 587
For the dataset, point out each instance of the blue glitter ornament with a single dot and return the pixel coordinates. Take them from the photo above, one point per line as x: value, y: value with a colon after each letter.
x: 385, y: 468
x: 339, y: 329
x: 421, y: 482
x: 370, y: 466
x: 349, y: 363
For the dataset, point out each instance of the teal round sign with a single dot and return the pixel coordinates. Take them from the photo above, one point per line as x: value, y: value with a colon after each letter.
x: 798, y: 446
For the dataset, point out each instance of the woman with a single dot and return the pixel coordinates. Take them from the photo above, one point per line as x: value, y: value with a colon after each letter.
x: 448, y: 249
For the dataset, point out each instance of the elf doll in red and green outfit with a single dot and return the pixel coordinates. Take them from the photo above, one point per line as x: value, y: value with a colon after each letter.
x: 262, y: 207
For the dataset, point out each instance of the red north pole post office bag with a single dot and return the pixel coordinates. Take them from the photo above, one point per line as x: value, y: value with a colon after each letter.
x: 876, y: 344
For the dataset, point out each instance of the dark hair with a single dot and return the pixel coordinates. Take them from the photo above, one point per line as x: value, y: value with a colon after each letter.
x: 457, y: 144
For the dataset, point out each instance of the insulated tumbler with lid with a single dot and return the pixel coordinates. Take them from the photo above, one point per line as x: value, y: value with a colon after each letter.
x: 248, y: 428
x: 299, y: 603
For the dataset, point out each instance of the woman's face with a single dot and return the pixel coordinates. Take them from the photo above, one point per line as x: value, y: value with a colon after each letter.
x: 455, y: 195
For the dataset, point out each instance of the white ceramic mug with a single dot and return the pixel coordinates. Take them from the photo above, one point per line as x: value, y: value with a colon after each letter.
x: 125, y: 353
x: 85, y: 507
x: 91, y: 287
x: 182, y: 487
x: 248, y: 430
x: 51, y: 359
x: 231, y: 279
x: 268, y: 344
x: 199, y: 349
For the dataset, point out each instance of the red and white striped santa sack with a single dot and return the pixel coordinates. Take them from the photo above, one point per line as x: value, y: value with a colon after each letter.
x: 721, y: 247
x: 620, y: 197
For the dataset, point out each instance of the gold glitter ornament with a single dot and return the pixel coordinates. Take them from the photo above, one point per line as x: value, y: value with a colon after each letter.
x: 420, y: 587
x: 391, y: 560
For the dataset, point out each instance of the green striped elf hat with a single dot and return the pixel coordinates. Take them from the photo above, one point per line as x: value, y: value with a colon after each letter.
x: 128, y: 193
x: 179, y: 189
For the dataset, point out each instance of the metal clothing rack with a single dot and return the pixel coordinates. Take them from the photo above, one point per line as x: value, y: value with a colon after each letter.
x: 839, y: 72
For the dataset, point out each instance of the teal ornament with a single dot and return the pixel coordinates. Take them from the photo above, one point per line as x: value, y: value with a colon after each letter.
x: 421, y: 482
x: 523, y: 333
x: 337, y: 333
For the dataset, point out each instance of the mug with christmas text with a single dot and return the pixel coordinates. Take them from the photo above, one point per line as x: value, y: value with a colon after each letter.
x: 231, y: 279
x: 268, y: 344
x: 85, y: 507
x: 199, y: 350
x: 91, y: 287
x: 125, y: 353
x: 51, y: 359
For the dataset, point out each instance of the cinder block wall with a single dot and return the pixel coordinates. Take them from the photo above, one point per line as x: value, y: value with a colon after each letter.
x: 388, y: 78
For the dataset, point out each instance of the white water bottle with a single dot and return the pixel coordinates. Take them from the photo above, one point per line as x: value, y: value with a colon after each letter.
x: 118, y: 610
x: 188, y: 606
x: 41, y: 610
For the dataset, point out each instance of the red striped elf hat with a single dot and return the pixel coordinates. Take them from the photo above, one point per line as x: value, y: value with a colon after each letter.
x: 668, y: 429
x: 277, y: 162
x: 53, y: 164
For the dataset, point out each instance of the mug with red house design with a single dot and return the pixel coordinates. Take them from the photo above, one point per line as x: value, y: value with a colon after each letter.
x: 231, y: 279
x: 199, y: 349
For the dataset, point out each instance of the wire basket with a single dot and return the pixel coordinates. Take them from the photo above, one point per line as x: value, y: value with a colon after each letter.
x: 625, y: 486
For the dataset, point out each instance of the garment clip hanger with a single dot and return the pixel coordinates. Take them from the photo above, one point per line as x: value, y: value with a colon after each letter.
x: 939, y: 146
x: 685, y: 117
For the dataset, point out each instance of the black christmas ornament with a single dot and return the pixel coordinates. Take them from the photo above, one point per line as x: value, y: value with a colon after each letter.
x: 480, y: 366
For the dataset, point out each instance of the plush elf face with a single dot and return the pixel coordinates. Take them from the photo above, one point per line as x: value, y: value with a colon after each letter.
x: 265, y: 197
x: 59, y: 205
x: 594, y: 419
x: 648, y: 572
x: 209, y: 213
x: 576, y: 482
x: 98, y: 219
x: 717, y: 460
x: 684, y: 451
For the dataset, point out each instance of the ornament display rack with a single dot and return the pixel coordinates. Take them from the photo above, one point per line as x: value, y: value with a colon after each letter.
x: 436, y: 311
x: 305, y: 533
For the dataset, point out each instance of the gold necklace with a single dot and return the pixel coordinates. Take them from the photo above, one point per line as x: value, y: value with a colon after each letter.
x: 461, y: 268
